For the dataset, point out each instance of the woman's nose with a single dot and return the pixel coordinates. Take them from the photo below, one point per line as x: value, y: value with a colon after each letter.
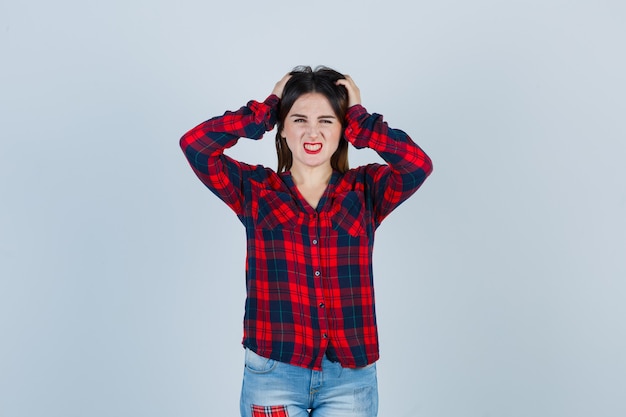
x: 313, y: 131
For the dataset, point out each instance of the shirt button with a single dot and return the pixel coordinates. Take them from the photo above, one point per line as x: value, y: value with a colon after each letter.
x: 322, y: 305
x: 318, y: 273
x: 315, y: 241
x: 325, y: 336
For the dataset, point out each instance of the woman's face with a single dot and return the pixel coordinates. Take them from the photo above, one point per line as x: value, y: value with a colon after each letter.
x: 312, y: 131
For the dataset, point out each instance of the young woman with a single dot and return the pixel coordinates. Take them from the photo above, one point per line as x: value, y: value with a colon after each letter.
x: 310, y: 325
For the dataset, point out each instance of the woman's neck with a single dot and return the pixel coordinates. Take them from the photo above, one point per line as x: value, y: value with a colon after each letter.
x: 311, y: 183
x: 311, y: 177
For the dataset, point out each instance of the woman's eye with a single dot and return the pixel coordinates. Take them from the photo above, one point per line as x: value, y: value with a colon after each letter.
x: 299, y: 121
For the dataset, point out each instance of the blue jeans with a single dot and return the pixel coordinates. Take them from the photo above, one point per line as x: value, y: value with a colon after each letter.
x: 272, y: 388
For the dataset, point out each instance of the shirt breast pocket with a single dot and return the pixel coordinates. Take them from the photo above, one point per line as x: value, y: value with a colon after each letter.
x: 275, y: 211
x: 349, y: 213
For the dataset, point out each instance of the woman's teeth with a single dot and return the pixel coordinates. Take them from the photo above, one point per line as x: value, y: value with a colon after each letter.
x: 313, y: 146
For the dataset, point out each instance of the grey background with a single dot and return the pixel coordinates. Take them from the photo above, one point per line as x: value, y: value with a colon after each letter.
x: 500, y: 284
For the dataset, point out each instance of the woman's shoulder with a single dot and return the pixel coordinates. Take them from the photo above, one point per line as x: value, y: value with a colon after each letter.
x: 360, y: 177
x: 261, y: 173
x: 265, y: 177
x: 361, y: 172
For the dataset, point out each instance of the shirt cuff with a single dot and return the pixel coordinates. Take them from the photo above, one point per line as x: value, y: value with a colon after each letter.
x: 355, y: 111
x: 354, y: 116
x: 272, y: 100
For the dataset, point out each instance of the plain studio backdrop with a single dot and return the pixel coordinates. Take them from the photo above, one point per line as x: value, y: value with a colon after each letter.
x: 500, y: 284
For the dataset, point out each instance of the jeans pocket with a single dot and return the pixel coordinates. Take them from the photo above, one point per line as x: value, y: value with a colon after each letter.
x: 259, y: 364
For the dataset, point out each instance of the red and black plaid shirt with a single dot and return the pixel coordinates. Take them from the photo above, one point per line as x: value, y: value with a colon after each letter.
x: 308, y: 271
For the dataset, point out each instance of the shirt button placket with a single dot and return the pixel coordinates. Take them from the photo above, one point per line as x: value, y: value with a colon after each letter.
x: 317, y: 271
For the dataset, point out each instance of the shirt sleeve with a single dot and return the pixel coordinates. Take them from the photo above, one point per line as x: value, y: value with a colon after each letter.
x: 407, y: 166
x: 204, y: 147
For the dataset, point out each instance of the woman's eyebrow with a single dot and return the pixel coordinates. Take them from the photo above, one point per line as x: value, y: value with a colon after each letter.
x: 303, y: 116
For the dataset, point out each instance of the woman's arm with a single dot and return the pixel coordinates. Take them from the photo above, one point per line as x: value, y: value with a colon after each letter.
x: 407, y: 167
x: 204, y: 147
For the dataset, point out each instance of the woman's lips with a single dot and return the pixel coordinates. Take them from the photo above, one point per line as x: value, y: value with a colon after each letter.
x: 312, y: 148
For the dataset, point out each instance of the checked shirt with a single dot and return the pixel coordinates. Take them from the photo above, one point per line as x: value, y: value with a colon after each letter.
x: 308, y: 270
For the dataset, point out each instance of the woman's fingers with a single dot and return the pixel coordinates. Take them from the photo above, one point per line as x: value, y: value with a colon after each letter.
x: 280, y: 85
x: 354, y: 94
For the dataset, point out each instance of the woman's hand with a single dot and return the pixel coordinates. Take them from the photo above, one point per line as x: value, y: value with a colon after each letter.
x: 354, y: 94
x: 280, y: 86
